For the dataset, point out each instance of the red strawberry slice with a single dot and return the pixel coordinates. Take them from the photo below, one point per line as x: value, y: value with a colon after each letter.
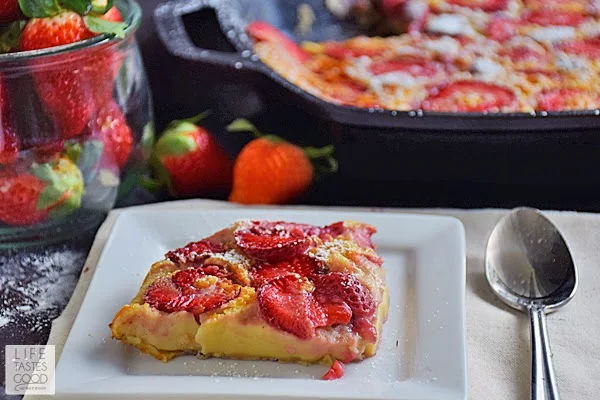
x: 588, y: 48
x: 287, y: 304
x: 568, y: 99
x: 335, y: 372
x: 273, y: 241
x: 265, y: 32
x: 484, y: 5
x: 180, y: 293
x: 547, y: 17
x: 501, y: 29
x: 339, y: 313
x: 470, y: 96
x: 359, y: 233
x: 339, y: 287
x: 347, y: 91
x: 344, y: 50
x: 581, y: 6
x: 302, y: 265
x: 415, y: 66
x: 365, y: 328
x: 194, y: 252
x: 527, y: 58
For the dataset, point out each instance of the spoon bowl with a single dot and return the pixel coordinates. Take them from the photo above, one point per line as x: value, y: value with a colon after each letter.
x: 529, y: 266
x: 528, y: 263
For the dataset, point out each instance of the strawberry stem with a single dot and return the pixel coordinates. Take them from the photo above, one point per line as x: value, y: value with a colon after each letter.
x: 322, y: 159
x: 192, y: 120
x: 161, y: 175
x: 151, y: 185
x: 99, y: 25
x: 243, y: 125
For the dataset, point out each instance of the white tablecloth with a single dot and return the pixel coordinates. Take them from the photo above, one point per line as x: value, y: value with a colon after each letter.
x: 498, y: 337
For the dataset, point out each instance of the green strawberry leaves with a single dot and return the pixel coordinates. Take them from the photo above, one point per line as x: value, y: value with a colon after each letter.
x: 243, y: 125
x: 64, y: 185
x: 175, y: 140
x: 322, y: 159
x: 99, y: 25
x: 102, y: 6
x: 9, y: 36
x: 81, y: 7
x: 176, y: 143
x: 40, y: 8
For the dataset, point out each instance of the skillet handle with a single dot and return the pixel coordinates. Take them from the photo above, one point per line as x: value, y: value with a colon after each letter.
x: 172, y: 32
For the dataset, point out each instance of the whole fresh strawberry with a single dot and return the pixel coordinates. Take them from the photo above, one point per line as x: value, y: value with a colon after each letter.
x: 110, y: 127
x: 270, y: 170
x: 194, y: 162
x: 73, y: 88
x: 44, y: 191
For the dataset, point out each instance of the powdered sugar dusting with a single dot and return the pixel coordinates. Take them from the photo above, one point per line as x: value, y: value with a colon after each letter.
x: 324, y: 251
x: 35, y: 287
x: 233, y: 257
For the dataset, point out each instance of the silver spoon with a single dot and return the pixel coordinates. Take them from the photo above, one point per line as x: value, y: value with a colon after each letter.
x: 530, y: 267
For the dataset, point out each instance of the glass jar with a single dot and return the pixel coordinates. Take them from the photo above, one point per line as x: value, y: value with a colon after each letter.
x: 75, y: 132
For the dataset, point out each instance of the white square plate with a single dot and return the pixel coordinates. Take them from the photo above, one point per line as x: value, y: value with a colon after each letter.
x: 422, y: 354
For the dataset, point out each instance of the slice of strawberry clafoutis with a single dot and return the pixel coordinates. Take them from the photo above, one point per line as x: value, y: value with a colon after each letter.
x: 264, y: 290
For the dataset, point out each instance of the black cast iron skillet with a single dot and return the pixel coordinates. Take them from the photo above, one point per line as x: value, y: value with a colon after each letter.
x: 234, y: 15
x: 559, y: 149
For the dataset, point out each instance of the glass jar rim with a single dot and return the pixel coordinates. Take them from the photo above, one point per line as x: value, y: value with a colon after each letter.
x: 133, y: 20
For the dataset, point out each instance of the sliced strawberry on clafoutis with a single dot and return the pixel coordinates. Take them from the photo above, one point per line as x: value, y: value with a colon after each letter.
x: 341, y: 289
x: 194, y: 252
x: 580, y: 6
x: 414, y: 66
x: 586, y: 48
x: 483, y: 5
x: 568, y: 99
x: 272, y: 241
x: 302, y: 265
x: 501, y: 28
x: 351, y: 49
x: 263, y: 31
x: 546, y: 17
x: 470, y: 96
x: 286, y: 303
x: 358, y: 233
x: 190, y: 290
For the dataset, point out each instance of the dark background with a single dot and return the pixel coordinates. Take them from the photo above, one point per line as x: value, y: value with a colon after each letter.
x: 212, y: 89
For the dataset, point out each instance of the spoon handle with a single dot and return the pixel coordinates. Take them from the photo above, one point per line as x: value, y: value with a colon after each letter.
x: 543, y: 381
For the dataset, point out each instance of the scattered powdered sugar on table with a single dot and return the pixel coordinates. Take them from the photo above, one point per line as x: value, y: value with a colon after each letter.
x: 35, y: 287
